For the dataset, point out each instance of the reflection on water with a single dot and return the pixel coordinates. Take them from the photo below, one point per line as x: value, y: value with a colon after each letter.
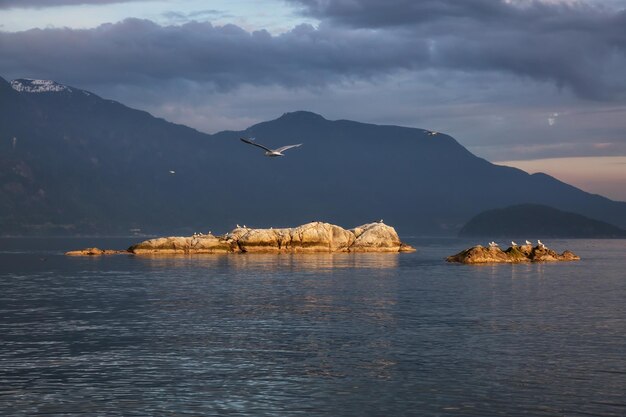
x: 276, y: 262
x: 314, y: 334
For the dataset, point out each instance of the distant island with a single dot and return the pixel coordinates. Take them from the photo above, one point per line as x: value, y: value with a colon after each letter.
x: 535, y: 220
x: 310, y: 237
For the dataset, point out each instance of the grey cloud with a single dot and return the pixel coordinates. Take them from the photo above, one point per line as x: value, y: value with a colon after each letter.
x: 504, y: 13
x: 374, y: 13
x: 577, y: 45
x: 135, y: 51
x: 580, y: 47
x: 584, y: 54
x: 23, y: 4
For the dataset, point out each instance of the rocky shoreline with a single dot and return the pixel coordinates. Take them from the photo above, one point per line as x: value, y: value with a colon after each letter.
x: 307, y: 238
x: 515, y: 254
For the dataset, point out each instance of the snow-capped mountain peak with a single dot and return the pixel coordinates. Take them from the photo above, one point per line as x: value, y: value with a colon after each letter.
x: 38, y: 86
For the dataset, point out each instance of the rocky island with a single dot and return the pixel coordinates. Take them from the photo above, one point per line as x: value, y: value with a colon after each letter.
x: 310, y: 237
x: 515, y: 254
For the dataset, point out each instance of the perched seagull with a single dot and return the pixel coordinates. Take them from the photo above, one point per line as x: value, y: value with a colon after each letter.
x: 432, y: 133
x: 540, y: 244
x: 528, y: 242
x: 270, y: 152
x: 493, y: 245
x: 513, y: 243
x: 238, y: 226
x: 380, y: 221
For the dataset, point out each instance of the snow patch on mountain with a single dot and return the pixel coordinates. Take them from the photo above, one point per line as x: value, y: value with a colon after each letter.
x: 38, y: 86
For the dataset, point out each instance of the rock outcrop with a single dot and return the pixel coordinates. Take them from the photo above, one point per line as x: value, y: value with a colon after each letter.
x: 310, y: 237
x: 95, y: 252
x: 180, y: 244
x: 515, y: 254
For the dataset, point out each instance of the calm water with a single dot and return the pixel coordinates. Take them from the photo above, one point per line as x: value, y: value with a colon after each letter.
x: 333, y: 335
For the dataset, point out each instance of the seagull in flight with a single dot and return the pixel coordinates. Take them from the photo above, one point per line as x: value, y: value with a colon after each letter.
x: 268, y: 151
x: 432, y: 132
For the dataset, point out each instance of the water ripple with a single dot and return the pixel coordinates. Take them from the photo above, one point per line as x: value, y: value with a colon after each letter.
x: 347, y: 335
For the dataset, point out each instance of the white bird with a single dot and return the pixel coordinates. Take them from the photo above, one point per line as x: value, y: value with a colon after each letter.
x: 238, y: 226
x: 432, y: 133
x: 528, y: 242
x: 270, y: 152
x: 245, y: 227
x: 172, y: 172
x: 513, y: 243
x: 493, y: 245
x: 540, y: 243
x: 380, y: 221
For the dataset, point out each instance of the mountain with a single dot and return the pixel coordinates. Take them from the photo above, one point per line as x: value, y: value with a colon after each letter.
x: 537, y: 220
x: 72, y: 162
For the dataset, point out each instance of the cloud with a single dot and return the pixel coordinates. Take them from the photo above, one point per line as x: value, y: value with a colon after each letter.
x: 23, y: 4
x: 501, y: 13
x: 374, y: 13
x: 552, y: 119
x: 576, y: 45
x: 139, y: 51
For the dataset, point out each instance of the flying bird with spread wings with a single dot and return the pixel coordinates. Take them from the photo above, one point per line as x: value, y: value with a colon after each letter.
x: 268, y: 151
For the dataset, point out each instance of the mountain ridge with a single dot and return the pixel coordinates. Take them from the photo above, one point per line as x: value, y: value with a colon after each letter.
x: 84, y: 164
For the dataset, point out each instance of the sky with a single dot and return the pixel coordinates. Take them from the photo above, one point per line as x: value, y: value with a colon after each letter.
x: 535, y: 84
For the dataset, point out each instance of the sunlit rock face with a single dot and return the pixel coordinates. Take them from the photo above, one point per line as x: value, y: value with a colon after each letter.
x: 181, y: 245
x: 375, y: 237
x: 94, y: 252
x: 310, y: 237
x: 515, y: 254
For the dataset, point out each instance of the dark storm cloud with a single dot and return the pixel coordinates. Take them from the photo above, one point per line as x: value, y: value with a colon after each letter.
x: 23, y: 4
x: 377, y: 14
x: 135, y: 50
x: 577, y: 45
